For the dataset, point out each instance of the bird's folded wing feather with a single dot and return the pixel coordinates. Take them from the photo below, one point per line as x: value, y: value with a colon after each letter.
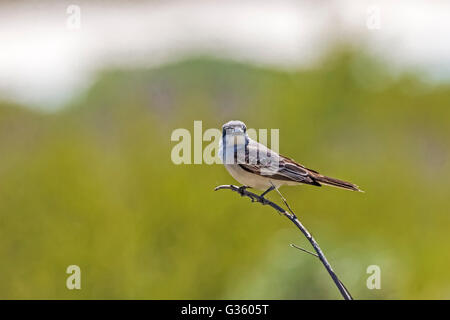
x: 263, y: 161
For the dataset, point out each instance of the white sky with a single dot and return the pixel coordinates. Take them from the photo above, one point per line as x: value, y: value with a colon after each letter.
x: 44, y: 63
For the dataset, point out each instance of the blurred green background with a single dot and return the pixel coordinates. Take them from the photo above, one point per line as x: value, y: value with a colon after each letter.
x: 93, y: 185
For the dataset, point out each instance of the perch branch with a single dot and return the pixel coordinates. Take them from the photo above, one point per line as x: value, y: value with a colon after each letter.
x: 291, y: 216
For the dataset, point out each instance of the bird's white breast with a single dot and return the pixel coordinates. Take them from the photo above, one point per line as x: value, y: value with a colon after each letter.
x: 244, y: 177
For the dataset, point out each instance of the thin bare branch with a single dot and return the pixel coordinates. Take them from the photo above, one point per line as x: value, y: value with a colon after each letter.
x: 293, y: 218
x: 304, y: 250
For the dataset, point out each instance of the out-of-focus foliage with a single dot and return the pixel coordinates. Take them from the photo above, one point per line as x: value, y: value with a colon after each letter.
x: 94, y: 185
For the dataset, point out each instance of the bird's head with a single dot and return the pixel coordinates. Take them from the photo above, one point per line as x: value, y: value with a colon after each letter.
x: 234, y: 128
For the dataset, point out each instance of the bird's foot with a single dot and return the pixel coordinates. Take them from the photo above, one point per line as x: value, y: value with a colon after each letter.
x: 241, y: 190
x: 263, y: 200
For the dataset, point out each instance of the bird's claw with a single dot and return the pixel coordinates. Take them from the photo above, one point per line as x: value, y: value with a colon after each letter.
x: 241, y: 190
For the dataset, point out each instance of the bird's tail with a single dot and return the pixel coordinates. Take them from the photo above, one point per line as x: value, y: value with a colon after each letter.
x: 336, y: 183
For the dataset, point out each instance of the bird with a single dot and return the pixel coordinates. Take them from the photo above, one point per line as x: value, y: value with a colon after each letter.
x: 255, y: 166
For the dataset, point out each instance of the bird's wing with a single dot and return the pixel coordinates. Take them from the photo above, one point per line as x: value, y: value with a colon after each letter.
x: 262, y: 161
